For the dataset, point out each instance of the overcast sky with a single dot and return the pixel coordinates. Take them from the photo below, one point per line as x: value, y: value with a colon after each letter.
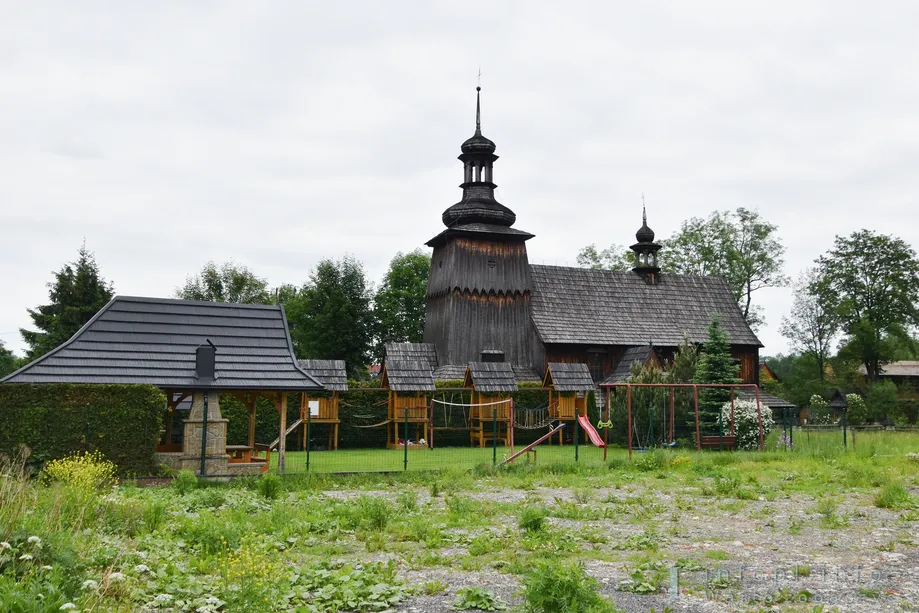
x: 275, y: 134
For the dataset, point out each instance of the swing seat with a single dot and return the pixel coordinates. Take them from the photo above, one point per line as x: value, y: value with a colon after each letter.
x: 718, y: 442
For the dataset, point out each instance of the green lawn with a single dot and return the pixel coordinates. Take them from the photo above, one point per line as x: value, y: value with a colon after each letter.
x: 456, y: 458
x: 816, y: 444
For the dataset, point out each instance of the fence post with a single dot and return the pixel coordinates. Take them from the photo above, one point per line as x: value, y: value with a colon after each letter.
x: 494, y: 435
x: 204, y: 438
x: 309, y: 416
x: 576, y: 429
x: 405, y: 441
x: 791, y: 429
x: 845, y: 442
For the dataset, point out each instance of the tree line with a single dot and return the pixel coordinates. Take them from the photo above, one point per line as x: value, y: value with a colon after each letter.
x: 335, y: 314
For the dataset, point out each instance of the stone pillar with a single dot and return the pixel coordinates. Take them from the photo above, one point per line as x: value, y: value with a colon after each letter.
x: 216, y: 451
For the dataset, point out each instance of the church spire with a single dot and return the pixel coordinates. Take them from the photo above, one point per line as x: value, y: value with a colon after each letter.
x: 478, y: 111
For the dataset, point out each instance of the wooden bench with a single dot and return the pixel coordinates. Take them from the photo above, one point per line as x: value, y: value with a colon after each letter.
x: 718, y: 442
x: 239, y: 454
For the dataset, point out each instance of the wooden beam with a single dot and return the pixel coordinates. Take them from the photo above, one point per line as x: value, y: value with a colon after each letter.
x: 252, y: 402
x: 282, y: 443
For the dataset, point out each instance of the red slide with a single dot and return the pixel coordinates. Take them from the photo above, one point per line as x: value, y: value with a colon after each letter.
x: 592, y: 433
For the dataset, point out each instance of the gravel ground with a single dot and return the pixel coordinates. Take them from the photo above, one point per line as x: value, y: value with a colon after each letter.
x: 751, y: 549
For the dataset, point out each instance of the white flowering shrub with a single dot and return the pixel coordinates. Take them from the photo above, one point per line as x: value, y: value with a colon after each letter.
x: 746, y: 423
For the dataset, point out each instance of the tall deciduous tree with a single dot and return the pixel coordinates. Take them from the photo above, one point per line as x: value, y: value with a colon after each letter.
x: 813, y: 322
x: 399, y: 304
x: 740, y: 246
x: 77, y: 293
x: 715, y: 366
x: 228, y: 282
x: 330, y: 317
x: 873, y: 282
x: 613, y: 257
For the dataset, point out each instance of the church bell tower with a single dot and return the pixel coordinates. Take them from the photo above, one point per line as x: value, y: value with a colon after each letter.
x: 479, y: 287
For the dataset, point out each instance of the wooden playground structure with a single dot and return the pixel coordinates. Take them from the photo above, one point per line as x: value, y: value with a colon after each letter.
x: 568, y: 385
x: 491, y: 410
x: 319, y: 408
x: 408, y: 383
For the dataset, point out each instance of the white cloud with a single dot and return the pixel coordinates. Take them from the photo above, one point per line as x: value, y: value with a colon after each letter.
x: 170, y: 133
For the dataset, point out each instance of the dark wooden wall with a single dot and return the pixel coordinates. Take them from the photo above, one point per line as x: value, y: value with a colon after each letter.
x: 748, y: 362
x: 479, y: 298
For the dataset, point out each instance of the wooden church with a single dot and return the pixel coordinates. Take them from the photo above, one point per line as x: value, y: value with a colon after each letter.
x: 486, y: 302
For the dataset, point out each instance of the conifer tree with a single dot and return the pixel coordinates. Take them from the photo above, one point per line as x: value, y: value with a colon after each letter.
x: 715, y: 366
x: 77, y: 293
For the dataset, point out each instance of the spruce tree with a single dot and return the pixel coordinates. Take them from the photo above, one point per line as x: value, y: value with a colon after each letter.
x: 715, y: 366
x: 77, y: 293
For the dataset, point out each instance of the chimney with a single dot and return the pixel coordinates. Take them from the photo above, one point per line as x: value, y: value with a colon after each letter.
x: 205, y: 357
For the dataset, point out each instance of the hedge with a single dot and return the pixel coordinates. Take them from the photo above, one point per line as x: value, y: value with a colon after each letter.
x: 123, y: 422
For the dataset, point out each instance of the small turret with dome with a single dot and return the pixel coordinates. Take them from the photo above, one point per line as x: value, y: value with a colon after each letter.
x: 646, y: 249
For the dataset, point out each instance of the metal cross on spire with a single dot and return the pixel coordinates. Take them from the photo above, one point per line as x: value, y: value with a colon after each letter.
x: 644, y: 214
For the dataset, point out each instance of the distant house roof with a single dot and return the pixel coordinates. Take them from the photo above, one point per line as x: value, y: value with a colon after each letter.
x: 413, y: 351
x: 331, y: 373
x: 567, y: 377
x: 773, y: 402
x: 450, y: 372
x: 408, y: 375
x: 490, y: 377
x: 623, y: 370
x: 153, y: 341
x: 903, y: 368
x: 603, y: 307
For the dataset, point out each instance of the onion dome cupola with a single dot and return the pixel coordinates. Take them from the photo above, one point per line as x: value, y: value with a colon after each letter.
x: 478, y: 205
x: 646, y: 249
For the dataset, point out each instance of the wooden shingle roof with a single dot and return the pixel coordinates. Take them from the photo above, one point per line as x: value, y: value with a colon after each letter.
x: 525, y: 374
x: 413, y: 352
x: 567, y: 377
x: 603, y: 307
x: 623, y: 369
x: 331, y: 373
x: 450, y: 372
x: 408, y: 375
x: 152, y: 341
x: 490, y: 377
x: 769, y: 400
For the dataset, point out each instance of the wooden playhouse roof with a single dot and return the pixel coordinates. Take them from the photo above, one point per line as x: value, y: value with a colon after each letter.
x: 331, y: 373
x: 153, y: 341
x: 407, y: 375
x: 602, y: 307
x: 569, y: 377
x: 490, y: 377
